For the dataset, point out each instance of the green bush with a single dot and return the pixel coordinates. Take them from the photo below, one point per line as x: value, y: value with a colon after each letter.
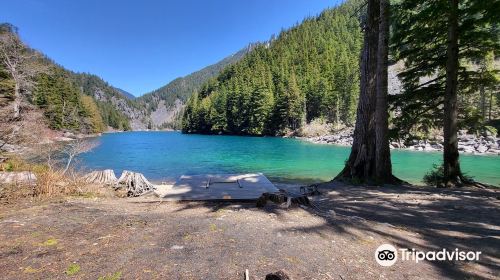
x: 435, y: 177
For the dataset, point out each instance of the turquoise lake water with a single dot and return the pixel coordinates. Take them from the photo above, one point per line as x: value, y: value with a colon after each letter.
x: 164, y: 156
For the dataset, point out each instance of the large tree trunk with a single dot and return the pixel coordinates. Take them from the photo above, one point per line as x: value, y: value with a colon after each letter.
x: 361, y: 163
x: 452, y: 173
x: 383, y: 168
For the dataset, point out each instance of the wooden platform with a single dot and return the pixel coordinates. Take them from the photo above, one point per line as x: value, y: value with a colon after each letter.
x: 220, y: 187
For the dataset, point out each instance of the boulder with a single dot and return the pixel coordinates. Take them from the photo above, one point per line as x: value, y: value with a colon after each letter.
x: 481, y: 149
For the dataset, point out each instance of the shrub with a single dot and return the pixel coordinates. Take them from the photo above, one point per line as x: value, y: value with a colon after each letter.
x: 435, y: 177
x: 72, y: 269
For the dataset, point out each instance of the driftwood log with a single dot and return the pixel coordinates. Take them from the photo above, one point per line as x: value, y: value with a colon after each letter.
x: 23, y: 177
x: 105, y: 177
x: 135, y: 183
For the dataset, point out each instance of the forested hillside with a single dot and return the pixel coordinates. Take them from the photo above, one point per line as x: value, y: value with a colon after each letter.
x: 309, y: 71
x: 71, y: 101
x: 312, y: 71
x: 165, y: 104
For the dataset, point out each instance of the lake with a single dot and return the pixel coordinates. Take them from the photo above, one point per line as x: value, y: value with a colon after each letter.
x: 164, y: 156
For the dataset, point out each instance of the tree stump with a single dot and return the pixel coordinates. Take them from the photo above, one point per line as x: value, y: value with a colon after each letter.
x: 104, y: 177
x: 135, y: 183
x: 282, y: 197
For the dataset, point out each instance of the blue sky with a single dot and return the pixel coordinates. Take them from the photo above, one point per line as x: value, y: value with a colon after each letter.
x: 141, y: 45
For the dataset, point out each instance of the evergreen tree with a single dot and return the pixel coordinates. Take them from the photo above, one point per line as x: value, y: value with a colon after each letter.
x: 309, y: 71
x: 436, y: 50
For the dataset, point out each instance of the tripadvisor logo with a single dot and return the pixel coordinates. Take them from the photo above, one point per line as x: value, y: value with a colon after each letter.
x: 387, y: 255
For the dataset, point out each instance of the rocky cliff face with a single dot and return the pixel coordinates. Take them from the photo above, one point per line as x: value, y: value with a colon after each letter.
x: 138, y: 116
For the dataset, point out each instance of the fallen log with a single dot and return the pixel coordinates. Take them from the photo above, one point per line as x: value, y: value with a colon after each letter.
x: 105, y: 177
x: 135, y: 183
x: 23, y: 177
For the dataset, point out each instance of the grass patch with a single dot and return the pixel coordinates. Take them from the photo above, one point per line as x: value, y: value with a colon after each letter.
x: 213, y: 227
x: 30, y: 270
x: 50, y: 242
x: 187, y: 237
x: 72, y: 269
x: 115, y: 276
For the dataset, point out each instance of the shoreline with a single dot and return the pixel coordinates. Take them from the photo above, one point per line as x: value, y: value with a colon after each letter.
x: 468, y: 144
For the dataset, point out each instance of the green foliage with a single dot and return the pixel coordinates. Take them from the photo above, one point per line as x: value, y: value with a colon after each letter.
x: 308, y: 71
x: 114, y: 276
x: 62, y: 103
x: 435, y: 177
x: 182, y: 88
x: 419, y: 39
x: 112, y: 117
x: 72, y: 269
x: 67, y: 98
x: 491, y: 129
x: 94, y: 86
x: 94, y: 117
x: 7, y: 85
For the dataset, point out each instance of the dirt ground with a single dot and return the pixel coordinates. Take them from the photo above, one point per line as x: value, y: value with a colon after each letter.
x: 89, y: 238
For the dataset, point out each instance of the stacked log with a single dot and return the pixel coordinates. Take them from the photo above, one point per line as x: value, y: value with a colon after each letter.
x: 104, y: 177
x: 135, y: 183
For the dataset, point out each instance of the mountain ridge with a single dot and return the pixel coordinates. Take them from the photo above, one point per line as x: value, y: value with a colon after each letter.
x: 165, y: 104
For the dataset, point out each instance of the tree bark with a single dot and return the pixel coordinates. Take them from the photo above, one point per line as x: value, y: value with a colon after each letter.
x: 135, y: 183
x: 17, y: 100
x: 361, y: 163
x: 452, y: 173
x: 383, y: 168
x: 106, y: 177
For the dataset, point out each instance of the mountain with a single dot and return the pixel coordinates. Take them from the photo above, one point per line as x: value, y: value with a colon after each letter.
x: 78, y: 102
x: 112, y: 98
x: 165, y: 105
x: 307, y: 72
x: 125, y: 93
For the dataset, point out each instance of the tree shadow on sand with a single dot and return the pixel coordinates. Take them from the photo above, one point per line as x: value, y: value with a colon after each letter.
x: 467, y: 219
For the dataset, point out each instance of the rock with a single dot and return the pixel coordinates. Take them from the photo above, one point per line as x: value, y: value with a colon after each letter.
x: 437, y: 146
x: 11, y: 148
x: 63, y: 139
x: 468, y: 149
x: 481, y: 149
x: 68, y: 134
x: 491, y: 139
x: 395, y: 145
